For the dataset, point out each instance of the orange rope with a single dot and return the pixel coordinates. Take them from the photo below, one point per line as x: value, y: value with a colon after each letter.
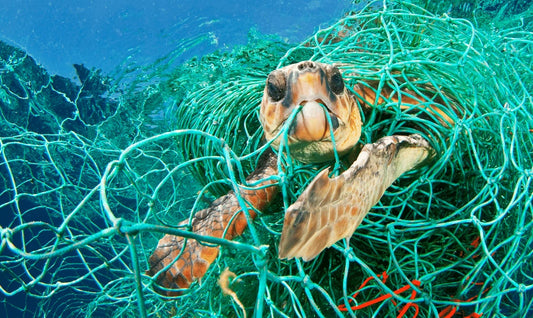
x: 452, y: 309
x: 381, y: 298
x: 447, y: 312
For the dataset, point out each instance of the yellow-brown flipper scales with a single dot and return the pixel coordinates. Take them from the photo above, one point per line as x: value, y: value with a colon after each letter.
x: 224, y: 215
x: 331, y: 209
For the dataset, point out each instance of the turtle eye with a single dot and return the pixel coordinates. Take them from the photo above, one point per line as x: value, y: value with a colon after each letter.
x: 276, y: 86
x: 336, y: 82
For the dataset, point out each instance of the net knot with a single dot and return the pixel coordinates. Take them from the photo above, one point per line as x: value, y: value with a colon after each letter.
x: 260, y: 259
x: 391, y: 229
x: 118, y: 224
x: 349, y: 254
x: 475, y: 221
x: 307, y: 282
x: 507, y: 108
x: 522, y: 288
x: 282, y: 179
x: 5, y: 234
x: 423, y: 179
x: 491, y: 181
x: 427, y: 299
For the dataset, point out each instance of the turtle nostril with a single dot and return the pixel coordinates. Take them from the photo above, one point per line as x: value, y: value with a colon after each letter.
x: 307, y: 65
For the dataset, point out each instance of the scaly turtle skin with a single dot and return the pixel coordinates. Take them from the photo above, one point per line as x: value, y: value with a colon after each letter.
x: 329, y: 209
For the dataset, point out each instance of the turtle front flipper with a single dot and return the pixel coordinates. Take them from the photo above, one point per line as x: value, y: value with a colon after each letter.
x: 331, y: 209
x: 177, y: 262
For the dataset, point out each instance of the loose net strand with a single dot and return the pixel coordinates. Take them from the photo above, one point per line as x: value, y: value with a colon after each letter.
x: 93, y: 175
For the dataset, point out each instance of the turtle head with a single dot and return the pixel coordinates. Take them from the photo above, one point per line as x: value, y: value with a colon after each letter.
x: 320, y: 91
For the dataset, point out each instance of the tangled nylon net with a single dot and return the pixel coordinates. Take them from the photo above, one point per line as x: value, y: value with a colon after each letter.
x: 91, y: 176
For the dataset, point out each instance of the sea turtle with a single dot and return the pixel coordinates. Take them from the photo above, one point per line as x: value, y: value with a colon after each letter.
x: 311, y: 100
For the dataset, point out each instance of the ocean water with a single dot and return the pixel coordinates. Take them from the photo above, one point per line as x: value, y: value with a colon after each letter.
x: 111, y: 36
x: 105, y: 34
x: 119, y: 119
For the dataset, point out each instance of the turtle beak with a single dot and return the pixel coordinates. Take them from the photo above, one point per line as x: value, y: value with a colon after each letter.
x: 311, y: 123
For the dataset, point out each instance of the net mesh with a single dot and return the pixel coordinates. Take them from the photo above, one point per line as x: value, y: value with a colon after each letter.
x: 93, y: 173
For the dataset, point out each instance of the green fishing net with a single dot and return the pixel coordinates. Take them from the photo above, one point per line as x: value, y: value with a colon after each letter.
x: 92, y: 175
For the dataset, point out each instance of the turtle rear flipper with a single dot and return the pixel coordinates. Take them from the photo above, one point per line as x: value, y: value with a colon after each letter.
x: 331, y: 209
x: 176, y: 262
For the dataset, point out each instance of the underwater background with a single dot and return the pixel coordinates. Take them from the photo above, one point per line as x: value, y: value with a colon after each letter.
x: 102, y: 104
